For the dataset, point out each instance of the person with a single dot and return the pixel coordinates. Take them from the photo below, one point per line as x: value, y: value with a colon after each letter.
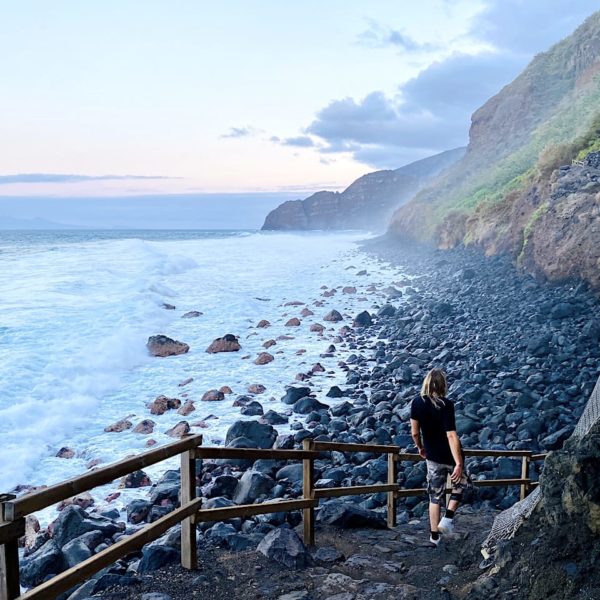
x: 433, y: 428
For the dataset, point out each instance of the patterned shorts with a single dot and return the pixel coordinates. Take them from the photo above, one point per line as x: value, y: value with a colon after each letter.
x: 436, y: 482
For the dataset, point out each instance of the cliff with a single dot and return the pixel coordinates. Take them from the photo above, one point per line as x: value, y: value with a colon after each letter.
x: 367, y: 203
x: 515, y: 190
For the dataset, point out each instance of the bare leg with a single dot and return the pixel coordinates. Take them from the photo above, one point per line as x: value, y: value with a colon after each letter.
x: 453, y: 505
x: 434, y: 515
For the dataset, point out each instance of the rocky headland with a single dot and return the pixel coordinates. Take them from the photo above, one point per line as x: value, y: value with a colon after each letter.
x: 366, y: 204
x: 522, y: 359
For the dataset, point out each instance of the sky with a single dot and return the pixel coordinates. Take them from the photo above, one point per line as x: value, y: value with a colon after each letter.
x: 142, y: 97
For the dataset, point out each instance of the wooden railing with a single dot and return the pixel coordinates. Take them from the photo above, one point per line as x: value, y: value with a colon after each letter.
x: 190, y: 512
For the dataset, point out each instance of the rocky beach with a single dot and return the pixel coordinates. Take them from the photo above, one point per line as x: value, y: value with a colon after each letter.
x: 521, y: 358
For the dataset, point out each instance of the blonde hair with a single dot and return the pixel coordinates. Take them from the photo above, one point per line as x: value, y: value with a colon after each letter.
x: 434, y: 387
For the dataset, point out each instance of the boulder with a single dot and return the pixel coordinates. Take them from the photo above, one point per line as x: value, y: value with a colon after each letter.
x: 144, y: 427
x: 222, y: 485
x: 191, y: 314
x: 307, y: 405
x: 306, y: 312
x: 293, y: 394
x: 252, y: 409
x: 263, y: 358
x: 74, y: 521
x: 119, y: 426
x: 156, y: 557
x: 334, y: 392
x: 273, y: 418
x: 252, y: 485
x: 333, y: 316
x: 262, y: 434
x: 161, y: 345
x: 186, y: 409
x: 263, y: 324
x: 227, y: 343
x: 65, y: 453
x: 269, y: 343
x: 213, y: 396
x: 285, y: 547
x: 137, y: 511
x: 317, y: 328
x: 162, y: 404
x: 363, y: 319
x: 293, y: 322
x: 292, y: 473
x: 338, y: 513
x: 136, y: 479
x: 47, y: 560
x: 256, y: 388
x: 182, y: 428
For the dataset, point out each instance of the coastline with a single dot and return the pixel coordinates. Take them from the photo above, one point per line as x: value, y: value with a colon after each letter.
x: 520, y: 356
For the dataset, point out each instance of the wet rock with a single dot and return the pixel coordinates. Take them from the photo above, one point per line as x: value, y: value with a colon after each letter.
x: 349, y: 289
x: 293, y: 322
x: 186, y: 409
x: 252, y: 485
x: 334, y: 392
x: 227, y: 343
x: 252, y: 409
x: 292, y: 473
x: 263, y: 324
x: 222, y: 485
x: 155, y: 557
x: 65, y: 453
x: 306, y: 312
x: 162, y: 404
x: 185, y: 382
x: 37, y: 567
x: 136, y: 479
x: 317, y: 328
x: 263, y: 435
x: 273, y: 418
x: 161, y: 345
x: 144, y: 427
x: 269, y: 343
x: 333, y: 316
x: 178, y: 431
x: 349, y: 515
x: 168, y: 306
x: 293, y: 394
x: 363, y: 319
x: 285, y: 547
x: 264, y: 358
x: 225, y: 389
x: 256, y: 388
x: 213, y: 396
x: 73, y: 522
x: 119, y: 426
x: 304, y: 406
x: 138, y: 510
x: 191, y: 314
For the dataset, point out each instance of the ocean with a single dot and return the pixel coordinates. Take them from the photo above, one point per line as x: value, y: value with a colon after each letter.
x: 77, y: 308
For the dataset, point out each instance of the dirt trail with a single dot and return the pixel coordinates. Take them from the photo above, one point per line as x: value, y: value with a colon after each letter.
x: 375, y: 564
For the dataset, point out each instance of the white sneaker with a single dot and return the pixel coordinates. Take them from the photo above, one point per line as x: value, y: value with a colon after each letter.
x: 446, y: 525
x: 435, y: 542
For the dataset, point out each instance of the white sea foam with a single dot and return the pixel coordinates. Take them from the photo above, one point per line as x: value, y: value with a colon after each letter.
x: 76, y: 316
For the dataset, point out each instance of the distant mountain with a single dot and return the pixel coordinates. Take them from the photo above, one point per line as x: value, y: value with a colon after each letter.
x: 368, y: 203
x: 515, y: 190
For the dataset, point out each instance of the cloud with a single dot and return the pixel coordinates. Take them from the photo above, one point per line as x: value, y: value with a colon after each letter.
x: 431, y: 112
x: 380, y: 36
x: 301, y: 141
x: 239, y: 132
x: 71, y: 178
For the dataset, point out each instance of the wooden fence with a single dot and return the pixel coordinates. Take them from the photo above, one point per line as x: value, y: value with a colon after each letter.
x: 190, y: 513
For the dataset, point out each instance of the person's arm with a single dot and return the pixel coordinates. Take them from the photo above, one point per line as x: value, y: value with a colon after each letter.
x: 456, y: 455
x: 415, y: 431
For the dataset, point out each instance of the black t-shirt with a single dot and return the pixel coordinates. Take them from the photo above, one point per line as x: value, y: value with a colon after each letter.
x: 434, y: 423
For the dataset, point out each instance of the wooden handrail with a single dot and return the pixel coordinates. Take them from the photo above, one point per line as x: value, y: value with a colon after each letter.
x: 41, y: 499
x: 12, y: 522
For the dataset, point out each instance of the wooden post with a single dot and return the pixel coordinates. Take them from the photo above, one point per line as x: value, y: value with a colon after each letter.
x: 525, y: 475
x: 391, y: 497
x: 9, y: 561
x: 189, y: 551
x: 309, y: 494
